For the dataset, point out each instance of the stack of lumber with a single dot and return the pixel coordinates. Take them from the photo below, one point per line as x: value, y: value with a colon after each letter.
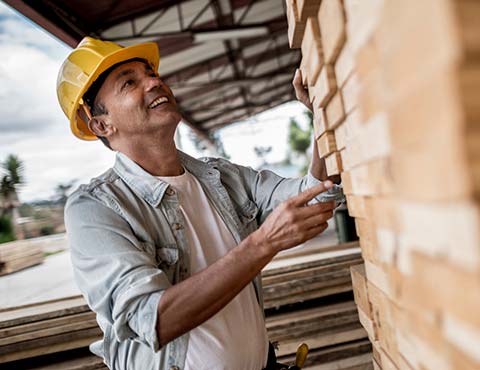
x: 335, y: 337
x: 81, y: 359
x: 45, y: 328
x: 395, y: 88
x: 307, y: 296
x: 301, y: 278
x: 17, y: 255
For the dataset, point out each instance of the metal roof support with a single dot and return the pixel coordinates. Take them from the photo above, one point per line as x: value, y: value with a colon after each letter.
x: 281, y: 93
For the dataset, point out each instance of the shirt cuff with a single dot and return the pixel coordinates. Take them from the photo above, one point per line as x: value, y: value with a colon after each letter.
x: 312, y: 180
x: 144, y: 322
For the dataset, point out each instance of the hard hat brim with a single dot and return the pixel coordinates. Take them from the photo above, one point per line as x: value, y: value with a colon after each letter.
x: 148, y: 51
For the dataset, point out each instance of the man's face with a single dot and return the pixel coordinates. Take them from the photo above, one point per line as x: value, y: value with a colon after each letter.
x: 138, y: 102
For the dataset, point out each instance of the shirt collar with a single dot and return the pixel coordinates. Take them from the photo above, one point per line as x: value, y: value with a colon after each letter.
x: 151, y: 188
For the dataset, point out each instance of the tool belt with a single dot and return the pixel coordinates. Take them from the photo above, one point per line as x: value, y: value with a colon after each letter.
x: 272, y: 363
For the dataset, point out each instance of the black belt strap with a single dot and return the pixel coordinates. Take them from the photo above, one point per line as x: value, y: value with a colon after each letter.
x: 272, y: 363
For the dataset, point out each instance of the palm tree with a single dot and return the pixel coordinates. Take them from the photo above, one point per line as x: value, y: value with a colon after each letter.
x: 62, y: 190
x: 12, y: 168
x: 13, y: 177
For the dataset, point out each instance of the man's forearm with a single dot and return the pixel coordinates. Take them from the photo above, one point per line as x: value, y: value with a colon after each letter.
x: 317, y: 165
x: 193, y: 301
x: 188, y: 304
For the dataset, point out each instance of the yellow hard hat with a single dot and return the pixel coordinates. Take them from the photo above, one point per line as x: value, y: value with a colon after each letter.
x: 84, y: 65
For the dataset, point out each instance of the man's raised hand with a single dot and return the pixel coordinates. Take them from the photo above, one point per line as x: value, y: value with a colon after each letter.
x: 294, y: 222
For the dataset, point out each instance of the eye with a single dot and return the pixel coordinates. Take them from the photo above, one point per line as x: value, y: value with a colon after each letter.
x: 127, y: 83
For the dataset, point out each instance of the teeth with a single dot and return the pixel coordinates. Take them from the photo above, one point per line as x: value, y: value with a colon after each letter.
x: 158, y: 101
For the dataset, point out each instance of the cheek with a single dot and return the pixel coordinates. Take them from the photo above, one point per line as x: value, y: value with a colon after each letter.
x: 127, y: 107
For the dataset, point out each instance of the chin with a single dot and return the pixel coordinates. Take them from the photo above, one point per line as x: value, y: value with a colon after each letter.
x: 170, y: 119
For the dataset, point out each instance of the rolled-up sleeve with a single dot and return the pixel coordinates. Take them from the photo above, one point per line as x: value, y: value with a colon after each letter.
x: 116, y: 272
x: 269, y: 189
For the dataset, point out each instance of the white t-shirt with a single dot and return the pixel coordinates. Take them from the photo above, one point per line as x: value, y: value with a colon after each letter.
x: 236, y: 337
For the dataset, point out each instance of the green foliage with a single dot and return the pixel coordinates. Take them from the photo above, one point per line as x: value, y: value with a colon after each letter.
x: 298, y: 139
x: 6, y: 230
x: 12, y: 168
x: 309, y: 116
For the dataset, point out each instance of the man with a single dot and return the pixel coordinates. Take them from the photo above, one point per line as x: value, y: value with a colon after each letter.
x: 165, y: 247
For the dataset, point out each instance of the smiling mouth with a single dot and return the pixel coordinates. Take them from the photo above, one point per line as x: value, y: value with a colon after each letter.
x: 157, y: 102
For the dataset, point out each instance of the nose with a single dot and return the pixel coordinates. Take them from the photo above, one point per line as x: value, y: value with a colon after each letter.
x: 152, y: 82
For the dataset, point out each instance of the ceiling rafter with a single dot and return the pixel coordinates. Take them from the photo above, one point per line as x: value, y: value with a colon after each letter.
x: 283, y: 90
x: 269, y: 76
x: 192, y: 32
x: 216, y: 126
x: 229, y: 80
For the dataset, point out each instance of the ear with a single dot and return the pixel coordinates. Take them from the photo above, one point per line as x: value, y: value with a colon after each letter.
x: 100, y: 126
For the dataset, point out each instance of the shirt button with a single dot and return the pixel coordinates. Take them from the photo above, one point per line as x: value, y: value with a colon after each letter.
x: 177, y: 226
x: 170, y: 191
x: 174, y: 367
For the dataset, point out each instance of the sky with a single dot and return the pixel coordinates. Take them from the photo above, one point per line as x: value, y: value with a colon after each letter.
x: 33, y: 126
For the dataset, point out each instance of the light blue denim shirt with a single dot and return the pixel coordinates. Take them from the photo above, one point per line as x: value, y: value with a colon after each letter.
x: 128, y: 245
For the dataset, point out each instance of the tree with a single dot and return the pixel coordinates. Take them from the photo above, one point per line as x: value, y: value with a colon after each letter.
x: 62, y: 190
x: 12, y: 169
x: 299, y: 139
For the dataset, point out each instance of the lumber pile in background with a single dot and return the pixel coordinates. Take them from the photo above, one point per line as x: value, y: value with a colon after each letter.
x: 308, y: 298
x: 17, y: 255
x: 27, y: 332
x: 303, y: 278
x: 395, y: 88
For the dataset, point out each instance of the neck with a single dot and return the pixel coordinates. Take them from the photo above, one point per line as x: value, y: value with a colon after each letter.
x: 158, y: 159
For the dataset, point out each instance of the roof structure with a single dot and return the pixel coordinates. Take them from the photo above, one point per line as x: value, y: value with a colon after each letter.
x: 225, y: 60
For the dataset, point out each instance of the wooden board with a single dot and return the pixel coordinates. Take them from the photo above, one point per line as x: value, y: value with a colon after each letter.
x: 324, y: 88
x: 38, y: 326
x: 331, y: 18
x: 335, y: 111
x: 326, y: 144
x: 296, y: 27
x: 307, y: 8
x: 319, y: 121
x: 312, y: 50
x: 359, y: 283
x: 350, y: 91
x: 52, y: 344
x: 345, y: 65
x: 40, y: 311
x: 341, y: 136
x: 333, y: 163
x: 329, y: 338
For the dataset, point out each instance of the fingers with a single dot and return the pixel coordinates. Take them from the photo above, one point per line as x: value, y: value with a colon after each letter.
x: 314, y: 209
x: 301, y: 92
x: 314, y: 231
x: 297, y: 81
x: 318, y: 219
x: 307, y: 195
